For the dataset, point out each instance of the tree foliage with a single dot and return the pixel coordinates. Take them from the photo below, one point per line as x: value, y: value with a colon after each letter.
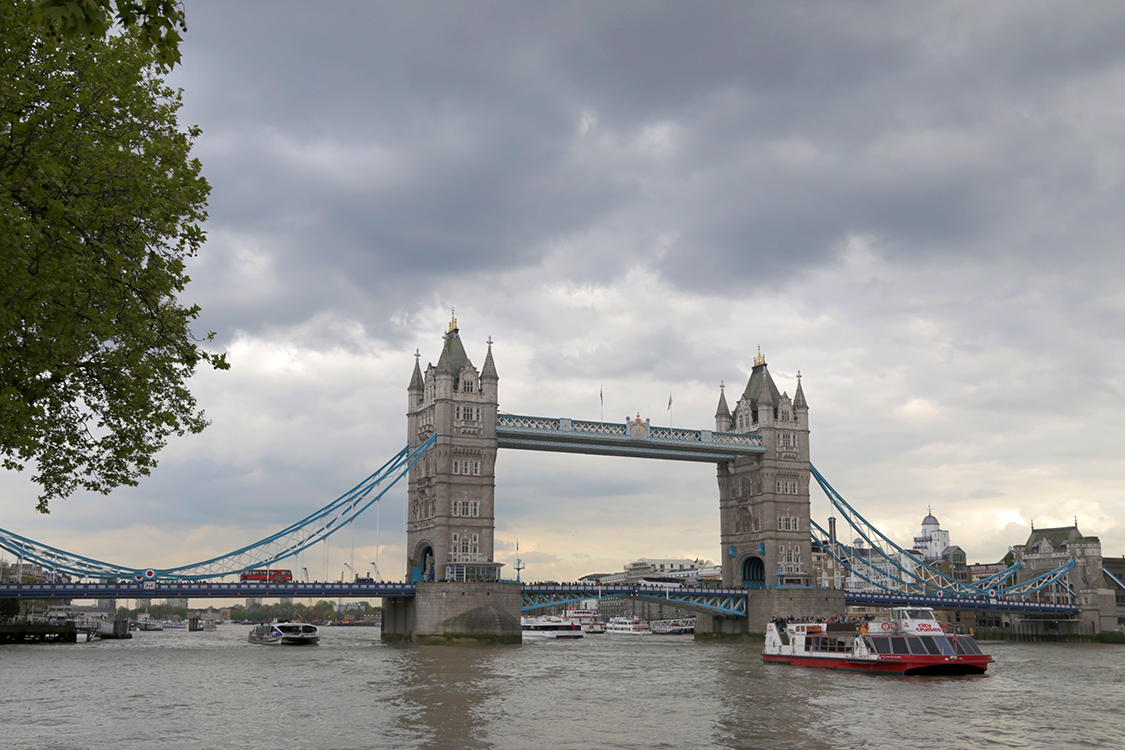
x: 157, y: 23
x: 100, y: 205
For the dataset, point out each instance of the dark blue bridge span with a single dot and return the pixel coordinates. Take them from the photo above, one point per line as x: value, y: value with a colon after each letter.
x: 201, y: 590
x: 710, y: 601
x: 715, y: 601
x: 728, y: 602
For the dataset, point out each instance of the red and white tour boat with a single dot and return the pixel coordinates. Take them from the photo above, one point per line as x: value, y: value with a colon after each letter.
x: 587, y: 619
x: 911, y: 642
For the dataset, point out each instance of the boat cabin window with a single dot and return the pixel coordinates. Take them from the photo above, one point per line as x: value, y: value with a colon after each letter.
x: 967, y: 645
x: 881, y: 644
x: 937, y: 645
x: 920, y: 614
x: 828, y: 644
x: 898, y: 645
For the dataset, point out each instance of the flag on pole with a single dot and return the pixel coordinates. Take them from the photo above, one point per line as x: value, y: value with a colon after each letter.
x: 669, y: 401
x: 601, y: 396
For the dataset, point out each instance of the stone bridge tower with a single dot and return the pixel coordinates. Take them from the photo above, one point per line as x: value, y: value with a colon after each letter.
x: 764, y: 499
x: 450, y: 496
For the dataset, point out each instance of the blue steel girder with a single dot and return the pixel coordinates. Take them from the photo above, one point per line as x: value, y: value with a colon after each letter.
x: 184, y: 589
x: 1112, y: 577
x: 866, y: 530
x: 710, y: 601
x: 885, y: 599
x: 636, y: 439
x: 264, y: 553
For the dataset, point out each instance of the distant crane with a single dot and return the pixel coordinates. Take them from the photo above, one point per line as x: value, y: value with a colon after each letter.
x: 349, y: 567
x: 376, y: 566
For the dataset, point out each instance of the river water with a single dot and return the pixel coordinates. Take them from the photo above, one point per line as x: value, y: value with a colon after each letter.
x: 214, y: 690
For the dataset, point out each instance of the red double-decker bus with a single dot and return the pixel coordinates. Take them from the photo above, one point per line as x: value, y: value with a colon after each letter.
x: 269, y: 576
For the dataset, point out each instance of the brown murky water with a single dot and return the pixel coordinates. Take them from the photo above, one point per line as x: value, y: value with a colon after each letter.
x: 214, y: 690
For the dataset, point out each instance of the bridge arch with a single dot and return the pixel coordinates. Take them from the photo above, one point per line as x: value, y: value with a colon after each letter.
x: 753, y: 572
x: 425, y: 569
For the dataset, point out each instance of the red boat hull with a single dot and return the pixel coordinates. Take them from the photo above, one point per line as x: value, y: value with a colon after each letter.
x: 893, y: 663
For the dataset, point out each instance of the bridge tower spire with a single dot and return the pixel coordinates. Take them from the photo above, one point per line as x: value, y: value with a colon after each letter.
x: 451, y: 491
x: 764, y: 498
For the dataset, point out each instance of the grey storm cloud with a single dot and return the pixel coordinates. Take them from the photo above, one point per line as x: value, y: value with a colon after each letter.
x: 796, y: 126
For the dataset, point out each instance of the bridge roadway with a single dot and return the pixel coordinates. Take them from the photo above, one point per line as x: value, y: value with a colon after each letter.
x: 535, y: 596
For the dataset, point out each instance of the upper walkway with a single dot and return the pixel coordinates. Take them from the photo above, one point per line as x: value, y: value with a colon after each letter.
x: 630, y: 438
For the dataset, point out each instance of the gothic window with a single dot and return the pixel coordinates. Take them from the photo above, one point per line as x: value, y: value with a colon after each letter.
x: 476, y: 468
x: 476, y: 508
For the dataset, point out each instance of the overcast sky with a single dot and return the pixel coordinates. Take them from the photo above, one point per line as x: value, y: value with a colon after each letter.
x: 918, y: 206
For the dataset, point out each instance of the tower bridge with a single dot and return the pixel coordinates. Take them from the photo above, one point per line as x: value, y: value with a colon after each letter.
x: 454, y: 586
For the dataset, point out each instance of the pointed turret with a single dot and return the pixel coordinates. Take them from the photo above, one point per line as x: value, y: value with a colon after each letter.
x: 488, y: 372
x: 799, y: 396
x: 722, y: 412
x: 417, y: 384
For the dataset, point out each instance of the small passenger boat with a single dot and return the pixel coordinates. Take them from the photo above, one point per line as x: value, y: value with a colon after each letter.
x: 587, y: 619
x: 628, y: 625
x: 910, y: 642
x: 673, y: 627
x: 549, y: 627
x: 285, y: 633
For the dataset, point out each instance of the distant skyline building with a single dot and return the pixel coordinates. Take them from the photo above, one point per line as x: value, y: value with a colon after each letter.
x: 686, y: 569
x: 933, y: 540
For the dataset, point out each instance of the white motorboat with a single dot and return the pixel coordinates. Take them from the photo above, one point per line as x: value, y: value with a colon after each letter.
x: 549, y: 627
x: 285, y: 633
x: 628, y: 625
